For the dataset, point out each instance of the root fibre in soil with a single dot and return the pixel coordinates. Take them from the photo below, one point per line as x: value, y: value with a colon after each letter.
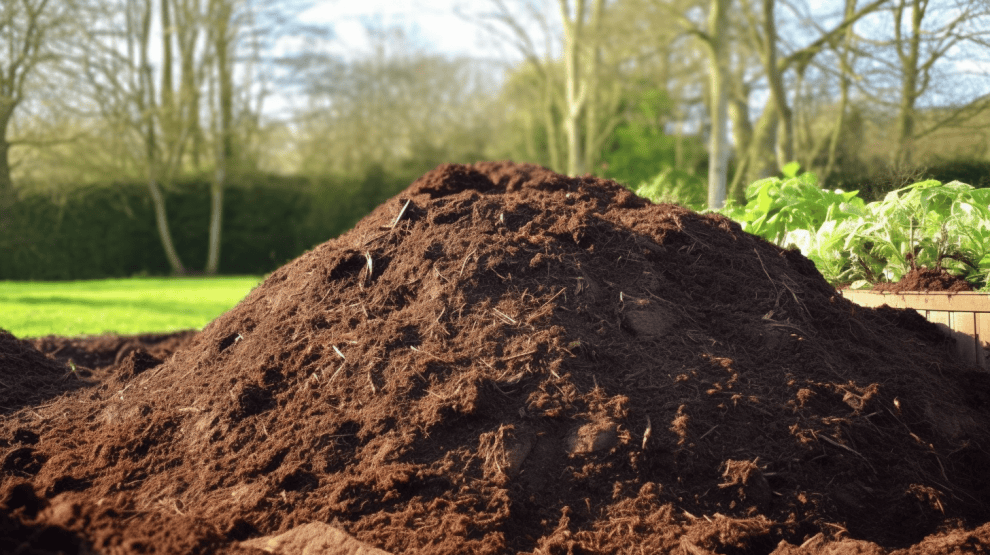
x: 502, y: 359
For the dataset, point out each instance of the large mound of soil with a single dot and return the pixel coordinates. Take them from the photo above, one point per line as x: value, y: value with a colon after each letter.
x: 503, y: 359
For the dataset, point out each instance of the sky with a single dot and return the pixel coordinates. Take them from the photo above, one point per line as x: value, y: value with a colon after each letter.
x: 432, y: 24
x: 451, y: 27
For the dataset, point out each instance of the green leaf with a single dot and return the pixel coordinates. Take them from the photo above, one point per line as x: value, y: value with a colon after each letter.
x: 790, y: 169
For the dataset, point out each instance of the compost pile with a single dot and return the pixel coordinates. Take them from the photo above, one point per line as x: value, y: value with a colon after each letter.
x: 502, y: 359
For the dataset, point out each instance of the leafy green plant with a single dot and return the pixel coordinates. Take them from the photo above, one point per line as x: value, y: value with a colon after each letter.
x: 789, y: 211
x: 924, y: 224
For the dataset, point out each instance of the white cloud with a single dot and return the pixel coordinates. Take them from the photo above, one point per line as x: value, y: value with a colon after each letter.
x: 977, y: 67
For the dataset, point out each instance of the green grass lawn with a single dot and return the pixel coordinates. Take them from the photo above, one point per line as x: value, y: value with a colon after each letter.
x: 124, y: 306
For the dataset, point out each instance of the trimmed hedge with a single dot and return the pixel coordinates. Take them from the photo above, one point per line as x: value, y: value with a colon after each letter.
x: 106, y: 231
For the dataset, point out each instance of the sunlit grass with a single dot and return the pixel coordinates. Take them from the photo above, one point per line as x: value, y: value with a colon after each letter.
x: 124, y: 306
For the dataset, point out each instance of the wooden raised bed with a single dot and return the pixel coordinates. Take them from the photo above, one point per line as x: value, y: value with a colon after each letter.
x: 963, y: 316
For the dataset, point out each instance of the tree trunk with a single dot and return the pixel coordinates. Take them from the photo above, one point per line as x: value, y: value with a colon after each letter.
x: 164, y: 232
x: 225, y: 101
x: 718, y: 162
x: 742, y: 131
x: 785, y: 129
x: 216, y: 219
x: 553, y: 142
x: 187, y: 37
x: 158, y: 201
x: 7, y: 196
x: 591, y: 124
x: 840, y: 117
x: 146, y: 106
x: 909, y: 82
x: 718, y: 159
x: 168, y: 105
x: 837, y: 129
x: 575, y: 90
x: 760, y: 158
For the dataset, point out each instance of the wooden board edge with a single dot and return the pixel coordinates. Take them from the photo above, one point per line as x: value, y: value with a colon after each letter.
x: 940, y: 301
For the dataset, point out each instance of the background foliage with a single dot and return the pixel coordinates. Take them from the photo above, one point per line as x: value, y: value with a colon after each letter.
x: 108, y: 231
x: 301, y: 135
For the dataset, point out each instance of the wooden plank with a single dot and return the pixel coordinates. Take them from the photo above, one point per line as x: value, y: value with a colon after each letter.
x: 964, y: 316
x: 983, y: 337
x: 968, y: 301
x: 963, y: 326
x: 940, y: 319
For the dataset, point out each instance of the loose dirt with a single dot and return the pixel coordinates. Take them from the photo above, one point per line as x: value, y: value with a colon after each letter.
x: 926, y: 279
x: 505, y: 360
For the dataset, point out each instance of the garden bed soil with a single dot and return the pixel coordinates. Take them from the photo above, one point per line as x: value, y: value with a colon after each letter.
x: 925, y: 279
x: 498, y: 360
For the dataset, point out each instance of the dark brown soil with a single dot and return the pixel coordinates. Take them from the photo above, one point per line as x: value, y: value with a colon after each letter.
x: 926, y: 279
x: 505, y: 360
x: 102, y: 352
x: 27, y: 377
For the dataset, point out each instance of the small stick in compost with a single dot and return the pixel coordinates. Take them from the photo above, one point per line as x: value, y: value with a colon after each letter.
x: 401, y: 213
x: 648, y: 432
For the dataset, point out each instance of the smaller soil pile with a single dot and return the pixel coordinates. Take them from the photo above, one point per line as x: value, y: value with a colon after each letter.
x: 926, y: 279
x: 502, y: 359
x: 28, y: 376
x: 101, y: 352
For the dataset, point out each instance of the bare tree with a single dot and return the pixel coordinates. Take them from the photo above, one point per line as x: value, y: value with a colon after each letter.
x: 127, y: 91
x: 764, y: 36
x: 582, y: 35
x: 844, y: 53
x: 576, y: 68
x: 536, y: 48
x: 240, y: 37
x: 30, y: 32
x: 222, y: 39
x: 159, y: 96
x: 715, y: 39
x: 391, y: 108
x: 919, y: 48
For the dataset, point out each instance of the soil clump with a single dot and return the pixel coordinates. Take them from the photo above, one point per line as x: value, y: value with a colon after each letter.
x: 502, y: 359
x: 926, y: 279
x: 27, y: 377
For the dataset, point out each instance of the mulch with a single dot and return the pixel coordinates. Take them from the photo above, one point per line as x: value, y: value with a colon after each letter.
x: 502, y: 359
x: 924, y: 278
